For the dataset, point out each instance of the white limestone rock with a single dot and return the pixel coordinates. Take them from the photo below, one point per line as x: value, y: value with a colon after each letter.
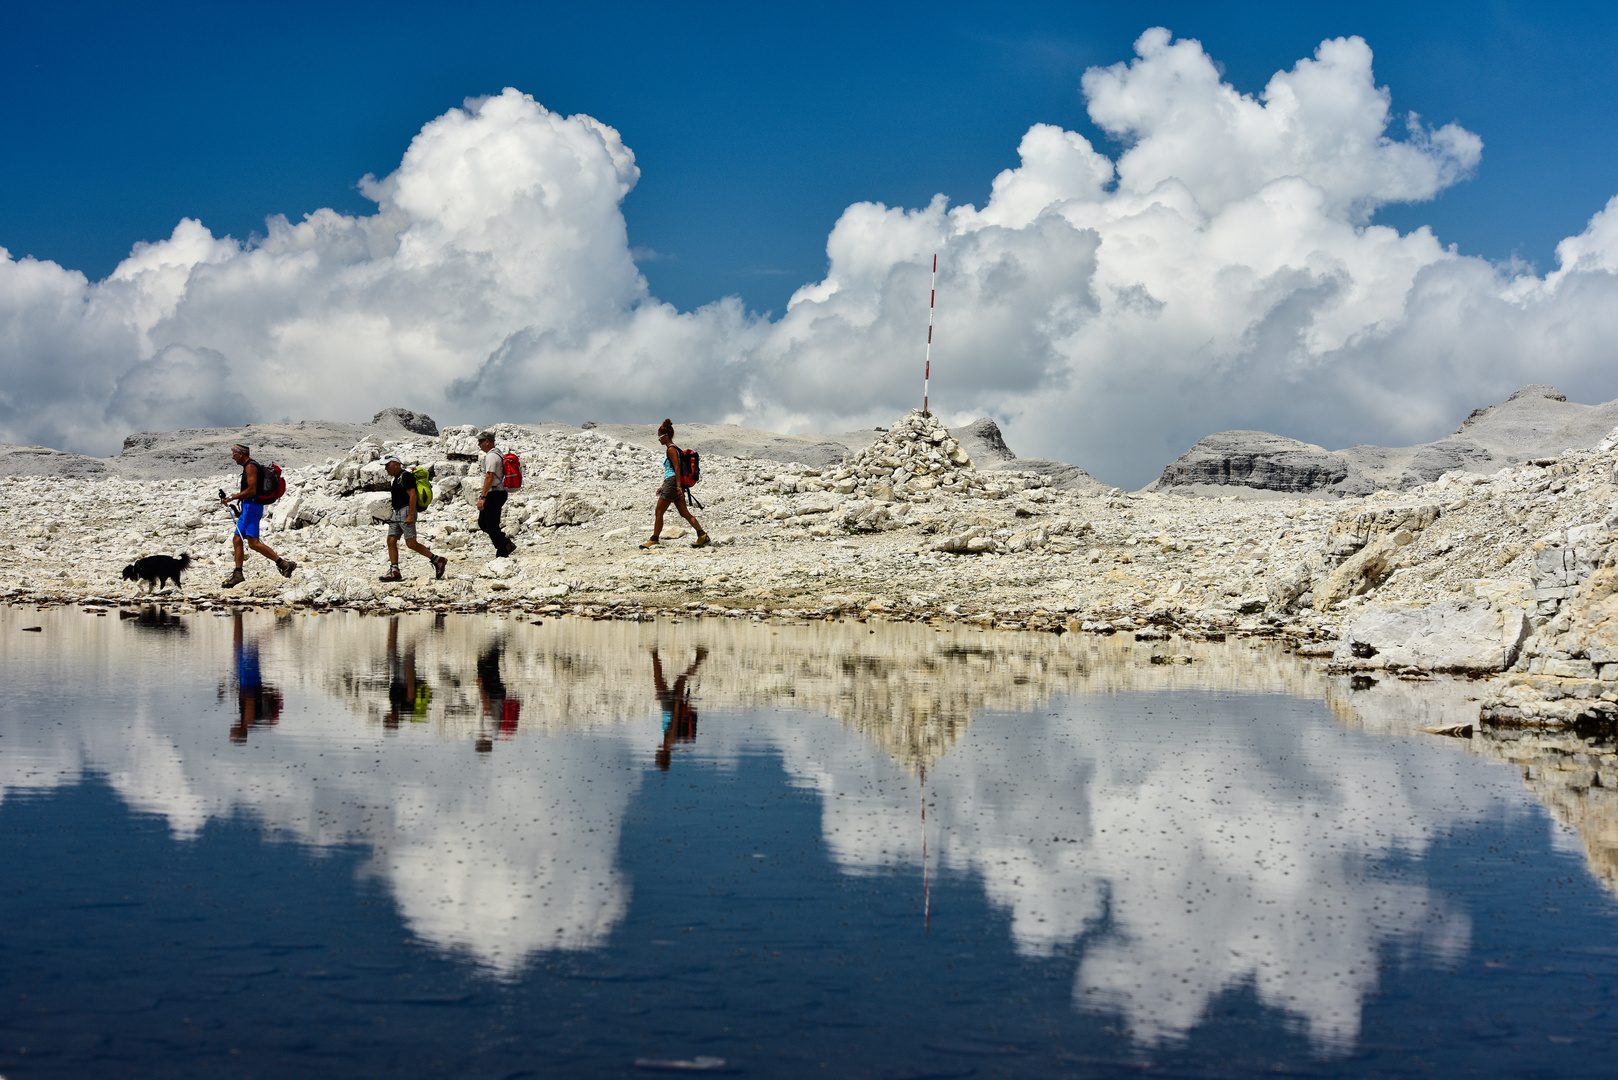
x: 1456, y: 636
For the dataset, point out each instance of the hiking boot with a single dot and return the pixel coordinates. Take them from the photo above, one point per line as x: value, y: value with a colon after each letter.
x: 392, y: 575
x: 236, y: 578
x: 286, y: 566
x: 700, y: 541
x: 652, y: 543
x: 511, y: 549
x: 438, y: 567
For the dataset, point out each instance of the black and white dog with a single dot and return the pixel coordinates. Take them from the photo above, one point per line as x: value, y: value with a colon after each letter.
x: 155, y: 569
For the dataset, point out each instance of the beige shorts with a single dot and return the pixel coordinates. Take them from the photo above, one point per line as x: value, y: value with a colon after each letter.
x: 670, y: 491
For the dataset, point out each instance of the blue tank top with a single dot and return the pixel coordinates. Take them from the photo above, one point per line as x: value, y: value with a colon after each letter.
x: 668, y: 466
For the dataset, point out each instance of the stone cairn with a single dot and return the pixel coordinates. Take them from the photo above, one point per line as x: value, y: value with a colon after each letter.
x: 916, y: 455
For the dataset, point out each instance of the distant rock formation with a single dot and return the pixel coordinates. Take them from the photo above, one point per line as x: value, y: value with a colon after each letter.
x: 1536, y: 422
x: 987, y: 447
x: 984, y: 443
x: 420, y: 423
x: 1257, y: 459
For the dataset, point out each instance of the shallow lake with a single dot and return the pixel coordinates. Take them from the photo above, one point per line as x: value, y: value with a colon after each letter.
x: 465, y: 846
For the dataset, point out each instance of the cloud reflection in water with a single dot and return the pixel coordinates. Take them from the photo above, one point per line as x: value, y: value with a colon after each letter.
x: 1181, y: 834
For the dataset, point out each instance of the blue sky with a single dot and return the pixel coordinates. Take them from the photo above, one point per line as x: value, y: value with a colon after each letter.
x: 1148, y: 236
x: 754, y: 125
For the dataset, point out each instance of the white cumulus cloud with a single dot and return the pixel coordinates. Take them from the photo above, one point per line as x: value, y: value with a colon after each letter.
x: 1220, y: 272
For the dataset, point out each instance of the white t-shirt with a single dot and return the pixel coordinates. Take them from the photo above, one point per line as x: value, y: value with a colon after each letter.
x: 494, y: 462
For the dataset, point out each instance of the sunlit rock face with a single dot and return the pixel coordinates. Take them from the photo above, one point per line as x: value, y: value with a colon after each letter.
x: 1186, y: 829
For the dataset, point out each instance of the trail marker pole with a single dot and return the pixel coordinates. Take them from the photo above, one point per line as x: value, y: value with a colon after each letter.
x: 927, y: 373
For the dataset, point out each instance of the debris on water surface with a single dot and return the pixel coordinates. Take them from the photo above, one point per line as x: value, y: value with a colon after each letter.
x: 33, y: 629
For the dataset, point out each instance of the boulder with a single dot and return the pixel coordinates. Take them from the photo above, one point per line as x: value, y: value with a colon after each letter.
x: 1286, y: 586
x: 420, y: 423
x: 568, y: 508
x: 284, y: 512
x: 459, y: 443
x: 1363, y: 572
x: 1352, y: 531
x: 1564, y: 563
x: 376, y: 506
x: 1458, y: 636
x: 373, y: 476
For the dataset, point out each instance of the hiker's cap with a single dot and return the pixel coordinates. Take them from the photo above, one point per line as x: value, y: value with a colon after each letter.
x: 485, y: 436
x: 391, y: 457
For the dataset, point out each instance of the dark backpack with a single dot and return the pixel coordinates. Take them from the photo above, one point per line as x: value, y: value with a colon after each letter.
x: 271, y: 484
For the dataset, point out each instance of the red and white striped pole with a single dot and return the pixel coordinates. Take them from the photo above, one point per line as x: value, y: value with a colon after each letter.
x: 927, y: 374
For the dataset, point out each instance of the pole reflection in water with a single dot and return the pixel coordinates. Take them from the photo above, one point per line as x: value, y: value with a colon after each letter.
x: 1167, y: 836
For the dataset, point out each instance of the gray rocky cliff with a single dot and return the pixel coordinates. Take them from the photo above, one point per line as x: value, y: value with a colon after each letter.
x: 1535, y: 422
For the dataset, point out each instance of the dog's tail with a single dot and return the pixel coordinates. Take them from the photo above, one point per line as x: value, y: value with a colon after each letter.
x: 185, y: 559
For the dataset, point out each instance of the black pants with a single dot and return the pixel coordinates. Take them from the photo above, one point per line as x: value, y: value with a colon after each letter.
x: 489, y: 520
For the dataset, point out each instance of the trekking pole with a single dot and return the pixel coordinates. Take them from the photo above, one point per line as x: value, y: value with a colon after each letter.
x: 234, y: 516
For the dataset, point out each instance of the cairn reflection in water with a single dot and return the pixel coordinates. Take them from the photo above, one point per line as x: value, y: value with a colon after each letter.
x: 1186, y: 829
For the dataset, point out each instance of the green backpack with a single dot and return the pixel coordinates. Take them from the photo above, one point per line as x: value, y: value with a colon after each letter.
x: 424, y: 488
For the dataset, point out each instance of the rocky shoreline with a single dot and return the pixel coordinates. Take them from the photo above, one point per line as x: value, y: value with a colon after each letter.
x: 1510, y: 577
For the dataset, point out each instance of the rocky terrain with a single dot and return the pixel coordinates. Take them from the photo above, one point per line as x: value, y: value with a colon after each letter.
x: 1536, y: 421
x: 1510, y: 575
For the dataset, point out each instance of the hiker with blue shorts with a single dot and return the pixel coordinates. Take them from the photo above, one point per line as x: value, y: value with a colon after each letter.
x: 248, y: 521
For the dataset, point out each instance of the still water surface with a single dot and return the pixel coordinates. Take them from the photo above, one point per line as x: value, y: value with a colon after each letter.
x: 472, y: 847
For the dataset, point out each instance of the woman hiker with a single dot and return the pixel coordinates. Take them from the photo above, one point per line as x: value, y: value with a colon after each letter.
x: 671, y: 491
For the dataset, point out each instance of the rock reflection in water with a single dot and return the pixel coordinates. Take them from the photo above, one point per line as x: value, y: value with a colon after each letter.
x: 1180, y: 844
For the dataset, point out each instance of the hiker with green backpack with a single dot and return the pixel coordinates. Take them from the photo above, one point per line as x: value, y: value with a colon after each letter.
x: 411, y: 492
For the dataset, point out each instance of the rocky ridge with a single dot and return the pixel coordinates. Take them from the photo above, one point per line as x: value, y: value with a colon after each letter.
x: 1536, y: 421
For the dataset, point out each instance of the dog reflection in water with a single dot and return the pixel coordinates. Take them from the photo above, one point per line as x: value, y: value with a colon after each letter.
x: 257, y: 705
x: 679, y: 718
x: 500, y: 712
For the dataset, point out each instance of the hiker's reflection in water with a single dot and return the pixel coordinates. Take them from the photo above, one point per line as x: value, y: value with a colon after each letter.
x: 499, y: 711
x: 257, y: 705
x: 679, y: 718
x: 408, y: 696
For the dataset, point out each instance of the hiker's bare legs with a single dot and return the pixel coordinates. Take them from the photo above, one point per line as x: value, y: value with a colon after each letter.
x: 679, y: 505
x: 413, y: 544
x: 256, y: 544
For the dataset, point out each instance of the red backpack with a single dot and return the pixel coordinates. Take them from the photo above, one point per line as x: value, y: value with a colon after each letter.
x: 690, y: 466
x: 513, y: 472
x: 271, y: 484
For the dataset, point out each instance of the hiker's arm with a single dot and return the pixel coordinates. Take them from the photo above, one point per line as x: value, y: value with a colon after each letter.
x: 488, y: 482
x: 410, y: 514
x: 251, y: 473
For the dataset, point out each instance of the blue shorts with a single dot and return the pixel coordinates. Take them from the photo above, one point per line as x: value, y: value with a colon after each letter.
x: 247, y: 523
